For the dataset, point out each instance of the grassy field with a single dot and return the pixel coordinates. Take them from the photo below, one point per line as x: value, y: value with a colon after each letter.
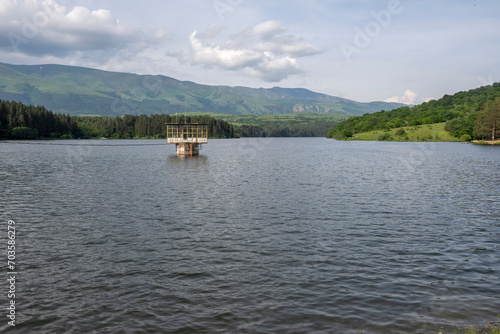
x: 428, y: 132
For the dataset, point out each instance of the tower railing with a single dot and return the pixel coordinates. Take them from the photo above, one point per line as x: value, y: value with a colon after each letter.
x: 187, y: 133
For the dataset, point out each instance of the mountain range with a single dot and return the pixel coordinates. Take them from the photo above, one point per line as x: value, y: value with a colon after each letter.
x: 85, y: 91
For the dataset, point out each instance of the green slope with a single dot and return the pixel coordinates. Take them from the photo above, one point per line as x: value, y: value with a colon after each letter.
x: 84, y: 91
x: 459, y: 111
x: 428, y: 132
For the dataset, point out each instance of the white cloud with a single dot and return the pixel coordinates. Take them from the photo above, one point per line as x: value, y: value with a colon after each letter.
x: 210, y: 32
x: 273, y: 69
x: 218, y: 56
x: 267, y: 28
x: 45, y: 28
x: 264, y: 51
x: 409, y: 97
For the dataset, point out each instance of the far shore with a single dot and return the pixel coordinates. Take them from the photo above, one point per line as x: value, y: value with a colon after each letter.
x: 486, y: 142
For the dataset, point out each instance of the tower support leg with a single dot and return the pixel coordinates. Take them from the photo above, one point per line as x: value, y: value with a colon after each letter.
x: 187, y: 149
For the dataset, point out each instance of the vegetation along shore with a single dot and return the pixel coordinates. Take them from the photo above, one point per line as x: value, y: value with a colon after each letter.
x: 464, y: 116
x: 472, y: 116
x: 20, y: 121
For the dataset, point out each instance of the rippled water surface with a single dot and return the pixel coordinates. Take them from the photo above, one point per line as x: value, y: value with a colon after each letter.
x: 253, y: 236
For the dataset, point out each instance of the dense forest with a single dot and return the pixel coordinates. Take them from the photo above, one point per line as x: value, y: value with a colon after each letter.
x: 143, y: 126
x: 18, y: 121
x: 474, y: 114
x: 281, y: 130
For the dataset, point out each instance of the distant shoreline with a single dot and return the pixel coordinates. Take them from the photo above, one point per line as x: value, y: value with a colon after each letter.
x: 486, y: 142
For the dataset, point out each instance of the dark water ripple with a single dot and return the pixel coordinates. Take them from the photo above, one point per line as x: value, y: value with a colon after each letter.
x: 254, y: 236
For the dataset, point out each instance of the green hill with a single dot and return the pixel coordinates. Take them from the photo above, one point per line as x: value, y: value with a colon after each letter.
x: 462, y: 113
x: 83, y: 91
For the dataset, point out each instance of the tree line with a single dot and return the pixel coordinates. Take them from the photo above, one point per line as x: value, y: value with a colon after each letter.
x: 281, y: 130
x: 468, y: 115
x: 19, y: 121
x: 144, y: 126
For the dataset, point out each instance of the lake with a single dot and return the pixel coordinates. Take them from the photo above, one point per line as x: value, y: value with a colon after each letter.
x: 261, y: 235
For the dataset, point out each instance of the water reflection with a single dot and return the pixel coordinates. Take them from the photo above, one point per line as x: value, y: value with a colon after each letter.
x: 195, y: 161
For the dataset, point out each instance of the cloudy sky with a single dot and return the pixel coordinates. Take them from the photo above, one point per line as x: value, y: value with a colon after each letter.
x: 366, y: 50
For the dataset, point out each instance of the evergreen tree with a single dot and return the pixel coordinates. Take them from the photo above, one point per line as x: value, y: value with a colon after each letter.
x: 487, y: 124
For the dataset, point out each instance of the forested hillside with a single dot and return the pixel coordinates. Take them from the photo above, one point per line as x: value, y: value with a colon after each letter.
x: 467, y: 115
x: 19, y: 121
